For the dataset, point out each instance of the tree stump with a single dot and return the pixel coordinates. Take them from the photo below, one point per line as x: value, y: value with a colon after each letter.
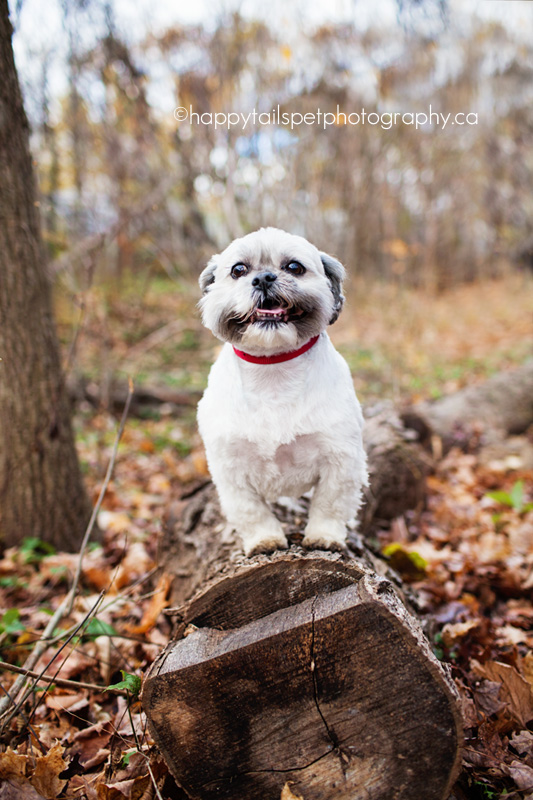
x: 295, y: 675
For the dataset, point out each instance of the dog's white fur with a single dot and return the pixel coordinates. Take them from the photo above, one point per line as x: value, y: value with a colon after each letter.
x: 274, y: 430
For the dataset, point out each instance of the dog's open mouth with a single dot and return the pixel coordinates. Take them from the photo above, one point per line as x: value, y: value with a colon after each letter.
x: 274, y: 311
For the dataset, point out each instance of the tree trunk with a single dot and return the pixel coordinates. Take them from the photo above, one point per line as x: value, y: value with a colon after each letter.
x: 295, y: 675
x: 41, y: 491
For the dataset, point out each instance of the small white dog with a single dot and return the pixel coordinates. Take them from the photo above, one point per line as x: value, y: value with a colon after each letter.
x: 279, y: 416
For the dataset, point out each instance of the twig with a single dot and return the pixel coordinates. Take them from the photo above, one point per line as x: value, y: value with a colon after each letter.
x: 40, y: 745
x: 63, y: 682
x: 40, y: 647
x: 101, y: 496
x: 33, y: 658
x: 156, y: 787
x: 139, y: 750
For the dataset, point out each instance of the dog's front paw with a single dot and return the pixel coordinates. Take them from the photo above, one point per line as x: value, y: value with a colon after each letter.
x: 327, y: 535
x: 264, y: 543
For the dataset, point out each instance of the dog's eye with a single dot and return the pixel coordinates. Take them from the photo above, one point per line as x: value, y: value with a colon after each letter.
x: 238, y: 270
x: 294, y: 268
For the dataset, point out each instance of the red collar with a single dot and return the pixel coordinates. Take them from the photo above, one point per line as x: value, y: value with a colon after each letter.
x: 277, y: 359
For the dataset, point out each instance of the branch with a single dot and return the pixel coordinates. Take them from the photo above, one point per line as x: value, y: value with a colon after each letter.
x: 63, y: 682
x: 101, y: 496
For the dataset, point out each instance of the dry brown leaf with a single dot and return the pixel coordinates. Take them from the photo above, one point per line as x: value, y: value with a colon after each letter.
x: 67, y: 663
x: 516, y: 691
x: 522, y: 742
x: 487, y: 697
x: 136, y: 563
x: 56, y: 563
x: 105, y: 792
x: 134, y: 789
x: 521, y: 774
x: 135, y: 768
x: 98, y: 576
x: 114, y: 521
x: 288, y: 794
x: 509, y: 634
x: 157, y: 603
x: 92, y: 749
x: 105, y: 651
x: 45, y: 778
x: 468, y: 708
x: 13, y: 790
x: 66, y: 702
x: 12, y: 765
x: 526, y: 667
x: 457, y: 630
x: 199, y: 462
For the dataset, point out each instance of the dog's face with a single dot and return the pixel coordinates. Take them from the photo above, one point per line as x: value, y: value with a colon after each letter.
x: 270, y: 292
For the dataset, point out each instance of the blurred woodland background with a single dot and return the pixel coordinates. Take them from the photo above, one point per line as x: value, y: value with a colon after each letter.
x: 134, y: 203
x: 127, y: 189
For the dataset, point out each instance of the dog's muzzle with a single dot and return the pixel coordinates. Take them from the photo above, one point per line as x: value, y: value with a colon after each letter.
x: 269, y: 308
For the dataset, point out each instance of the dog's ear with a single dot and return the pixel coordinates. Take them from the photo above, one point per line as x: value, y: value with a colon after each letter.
x: 335, y: 273
x: 207, y: 277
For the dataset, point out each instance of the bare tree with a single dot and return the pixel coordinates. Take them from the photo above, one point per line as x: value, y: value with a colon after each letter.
x: 41, y: 490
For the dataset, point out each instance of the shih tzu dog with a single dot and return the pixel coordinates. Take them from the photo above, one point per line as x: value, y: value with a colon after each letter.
x: 279, y: 416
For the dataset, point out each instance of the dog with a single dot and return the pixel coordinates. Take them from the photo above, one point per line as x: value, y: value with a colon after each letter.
x: 280, y: 416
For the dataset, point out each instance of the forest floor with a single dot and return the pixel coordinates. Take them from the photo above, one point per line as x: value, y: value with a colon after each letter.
x: 468, y: 554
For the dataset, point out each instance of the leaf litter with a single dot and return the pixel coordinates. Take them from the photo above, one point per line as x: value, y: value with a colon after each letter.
x: 474, y: 543
x: 468, y: 557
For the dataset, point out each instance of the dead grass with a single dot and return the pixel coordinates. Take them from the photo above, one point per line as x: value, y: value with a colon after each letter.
x: 402, y: 344
x: 406, y: 344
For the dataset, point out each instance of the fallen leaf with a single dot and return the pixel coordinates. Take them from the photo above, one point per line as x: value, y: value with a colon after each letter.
x: 288, y: 794
x: 66, y: 702
x: 468, y: 708
x: 516, y: 691
x: 12, y: 765
x: 114, y: 521
x: 45, y: 778
x: 97, y: 576
x: 68, y: 663
x: 454, y: 631
x: 521, y: 774
x: 13, y: 790
x: 156, y: 605
x: 508, y: 634
x: 526, y: 667
x: 136, y: 563
x: 487, y: 697
x: 134, y: 789
x: 522, y: 742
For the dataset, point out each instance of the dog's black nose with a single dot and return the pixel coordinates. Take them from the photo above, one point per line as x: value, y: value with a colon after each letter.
x: 263, y: 280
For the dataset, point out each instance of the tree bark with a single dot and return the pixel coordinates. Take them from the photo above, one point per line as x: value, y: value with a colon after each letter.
x: 295, y: 675
x: 41, y: 490
x: 397, y: 466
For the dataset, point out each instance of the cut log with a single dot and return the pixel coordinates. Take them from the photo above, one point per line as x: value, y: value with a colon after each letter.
x: 397, y: 466
x: 298, y: 674
x: 494, y: 409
